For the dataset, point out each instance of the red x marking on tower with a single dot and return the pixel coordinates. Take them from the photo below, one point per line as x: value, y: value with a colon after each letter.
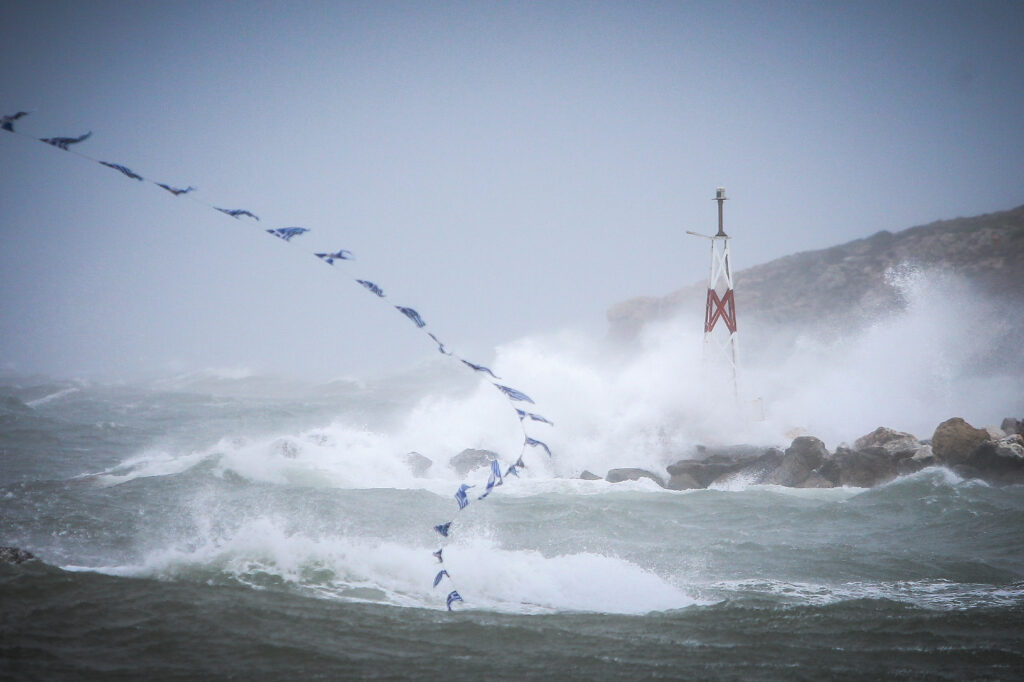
x: 723, y: 308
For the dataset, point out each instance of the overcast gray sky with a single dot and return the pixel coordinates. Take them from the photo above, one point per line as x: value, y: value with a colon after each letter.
x: 504, y: 168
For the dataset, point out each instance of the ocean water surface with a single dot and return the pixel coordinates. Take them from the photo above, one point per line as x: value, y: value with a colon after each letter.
x: 224, y: 527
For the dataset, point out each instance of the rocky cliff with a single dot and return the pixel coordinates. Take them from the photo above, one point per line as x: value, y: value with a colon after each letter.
x: 839, y: 289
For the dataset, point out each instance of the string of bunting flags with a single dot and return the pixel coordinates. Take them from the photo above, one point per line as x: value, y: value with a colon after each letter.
x: 495, y: 478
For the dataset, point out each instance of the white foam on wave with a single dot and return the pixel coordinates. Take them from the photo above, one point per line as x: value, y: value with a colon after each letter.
x: 263, y: 553
x: 53, y: 396
x: 931, y: 594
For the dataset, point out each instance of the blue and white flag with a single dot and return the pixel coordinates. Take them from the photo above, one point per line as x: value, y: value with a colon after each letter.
x: 286, y: 233
x: 513, y: 471
x: 453, y: 596
x: 412, y: 315
x: 64, y: 142
x: 238, y: 213
x: 442, y: 528
x: 176, y: 191
x: 534, y: 443
x: 513, y: 394
x: 494, y: 480
x: 7, y: 122
x: 440, y: 574
x: 127, y: 171
x: 329, y: 258
x: 460, y: 496
x: 479, y: 368
x: 372, y: 287
x: 437, y: 554
x: 523, y: 414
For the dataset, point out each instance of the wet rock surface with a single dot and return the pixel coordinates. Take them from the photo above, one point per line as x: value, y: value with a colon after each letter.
x: 875, y: 458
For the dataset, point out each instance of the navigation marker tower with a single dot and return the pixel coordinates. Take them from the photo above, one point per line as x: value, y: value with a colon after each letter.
x: 721, y: 301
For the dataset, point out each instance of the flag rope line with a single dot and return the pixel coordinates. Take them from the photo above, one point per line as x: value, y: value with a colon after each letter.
x: 495, y: 478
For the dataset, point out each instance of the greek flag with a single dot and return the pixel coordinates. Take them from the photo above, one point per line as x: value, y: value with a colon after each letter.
x: 453, y: 596
x: 532, y: 442
x: 330, y: 257
x: 513, y: 394
x: 370, y: 286
x: 442, y: 528
x: 438, y: 555
x: 440, y: 574
x: 479, y: 368
x: 523, y: 414
x: 127, y: 171
x: 238, y: 213
x: 64, y: 142
x: 7, y: 122
x: 494, y: 479
x: 286, y: 233
x: 412, y: 315
x: 460, y: 496
x: 176, y: 191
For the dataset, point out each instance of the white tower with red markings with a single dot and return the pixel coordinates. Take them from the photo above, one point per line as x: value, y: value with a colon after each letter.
x: 720, y: 311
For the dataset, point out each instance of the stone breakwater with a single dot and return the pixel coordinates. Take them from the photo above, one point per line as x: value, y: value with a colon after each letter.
x: 994, y: 455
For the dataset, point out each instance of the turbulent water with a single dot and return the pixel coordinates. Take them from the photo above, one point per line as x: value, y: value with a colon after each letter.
x: 199, y: 529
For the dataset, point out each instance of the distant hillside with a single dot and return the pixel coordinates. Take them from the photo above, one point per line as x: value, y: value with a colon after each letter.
x: 842, y: 288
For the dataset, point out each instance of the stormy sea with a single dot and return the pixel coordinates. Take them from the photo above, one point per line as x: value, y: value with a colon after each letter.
x: 227, y: 525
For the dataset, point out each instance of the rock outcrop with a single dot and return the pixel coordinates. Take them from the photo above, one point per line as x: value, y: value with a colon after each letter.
x: 632, y: 474
x: 470, y: 459
x: 418, y: 464
x: 874, y: 459
x: 954, y: 440
x: 14, y: 555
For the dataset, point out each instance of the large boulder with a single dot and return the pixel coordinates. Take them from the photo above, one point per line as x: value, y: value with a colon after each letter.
x: 471, y: 459
x: 921, y: 459
x: 589, y: 476
x: 816, y: 480
x: 683, y: 481
x: 14, y: 555
x: 955, y: 440
x: 417, y: 463
x: 756, y: 470
x: 1011, y: 426
x: 894, y: 442
x: 862, y: 468
x: 631, y: 474
x: 999, y: 461
x: 700, y: 472
x: 803, y: 456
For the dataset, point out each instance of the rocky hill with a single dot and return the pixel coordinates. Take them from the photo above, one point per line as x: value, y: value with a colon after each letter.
x: 835, y: 290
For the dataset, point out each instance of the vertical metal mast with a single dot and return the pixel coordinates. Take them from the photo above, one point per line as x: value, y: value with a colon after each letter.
x: 721, y: 301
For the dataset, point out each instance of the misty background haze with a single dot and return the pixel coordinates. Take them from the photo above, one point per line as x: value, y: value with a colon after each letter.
x: 507, y: 169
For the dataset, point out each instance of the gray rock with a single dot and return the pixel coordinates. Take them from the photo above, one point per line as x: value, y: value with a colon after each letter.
x: 13, y: 555
x: 754, y: 471
x: 1011, y: 426
x: 955, y: 440
x: 922, y: 459
x: 862, y: 468
x: 894, y: 442
x: 417, y: 463
x: 816, y: 480
x: 999, y: 461
x: 701, y: 473
x: 589, y: 476
x: 470, y: 459
x: 632, y: 474
x: 683, y: 481
x: 803, y: 456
